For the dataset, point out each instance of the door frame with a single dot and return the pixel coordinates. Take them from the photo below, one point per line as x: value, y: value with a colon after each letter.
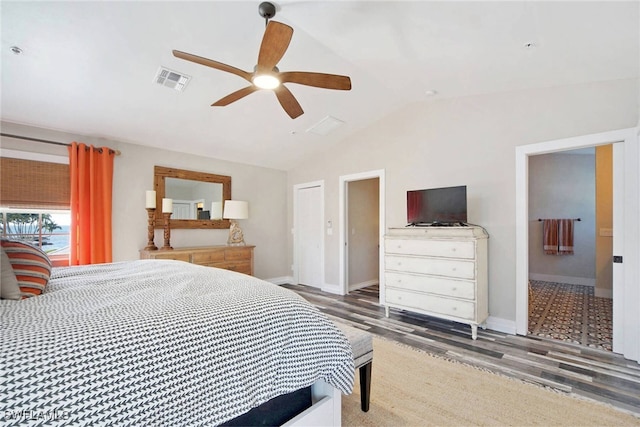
x: 343, y: 204
x: 626, y: 333
x: 296, y: 234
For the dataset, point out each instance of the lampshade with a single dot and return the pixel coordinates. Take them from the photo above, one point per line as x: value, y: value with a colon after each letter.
x: 236, y: 209
x: 216, y: 210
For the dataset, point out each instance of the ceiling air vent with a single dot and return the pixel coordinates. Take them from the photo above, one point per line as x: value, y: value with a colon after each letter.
x: 325, y: 126
x: 171, y: 79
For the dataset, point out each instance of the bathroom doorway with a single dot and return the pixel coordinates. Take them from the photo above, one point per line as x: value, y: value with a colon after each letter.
x: 570, y: 246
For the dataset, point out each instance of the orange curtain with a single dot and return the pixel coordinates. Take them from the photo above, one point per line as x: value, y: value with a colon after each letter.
x: 91, y: 171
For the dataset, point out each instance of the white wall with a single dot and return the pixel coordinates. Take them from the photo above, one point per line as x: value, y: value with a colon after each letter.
x: 263, y: 188
x: 563, y: 185
x: 468, y: 141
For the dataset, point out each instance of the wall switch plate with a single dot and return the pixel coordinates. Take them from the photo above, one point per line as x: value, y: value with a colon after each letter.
x: 617, y: 259
x: 606, y: 232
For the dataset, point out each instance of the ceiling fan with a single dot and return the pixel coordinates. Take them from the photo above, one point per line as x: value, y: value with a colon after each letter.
x: 266, y: 74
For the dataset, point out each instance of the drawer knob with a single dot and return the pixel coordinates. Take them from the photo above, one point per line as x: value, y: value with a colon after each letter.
x: 453, y: 250
x: 454, y: 269
x: 454, y: 289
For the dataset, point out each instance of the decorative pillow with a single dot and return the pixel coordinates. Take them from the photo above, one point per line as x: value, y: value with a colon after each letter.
x: 30, y: 264
x: 9, y: 288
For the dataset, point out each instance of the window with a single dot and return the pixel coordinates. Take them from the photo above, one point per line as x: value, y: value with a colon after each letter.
x: 34, y: 204
x: 31, y: 184
x: 48, y: 230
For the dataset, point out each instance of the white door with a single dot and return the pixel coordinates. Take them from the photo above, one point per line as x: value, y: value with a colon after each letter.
x: 626, y: 287
x: 309, y: 234
x: 182, y: 210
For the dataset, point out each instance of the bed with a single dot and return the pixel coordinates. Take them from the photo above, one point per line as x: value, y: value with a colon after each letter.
x: 155, y: 342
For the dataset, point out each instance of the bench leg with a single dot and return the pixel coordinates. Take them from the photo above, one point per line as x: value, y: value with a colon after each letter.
x: 365, y: 386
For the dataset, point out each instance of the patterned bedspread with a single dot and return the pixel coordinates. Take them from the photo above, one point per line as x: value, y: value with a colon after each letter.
x: 160, y: 343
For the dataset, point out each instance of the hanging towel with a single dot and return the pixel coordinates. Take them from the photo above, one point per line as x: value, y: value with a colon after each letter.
x: 565, y: 237
x: 550, y: 236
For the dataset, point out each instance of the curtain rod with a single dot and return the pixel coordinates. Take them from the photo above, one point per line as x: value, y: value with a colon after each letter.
x: 575, y: 219
x: 46, y: 141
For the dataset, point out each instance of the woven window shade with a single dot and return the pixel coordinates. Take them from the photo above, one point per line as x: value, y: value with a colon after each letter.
x: 35, y: 185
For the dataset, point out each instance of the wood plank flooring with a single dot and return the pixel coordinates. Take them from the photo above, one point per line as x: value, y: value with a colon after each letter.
x: 574, y: 369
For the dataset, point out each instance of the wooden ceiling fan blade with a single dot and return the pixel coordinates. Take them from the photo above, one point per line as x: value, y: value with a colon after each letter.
x: 288, y: 102
x: 233, y: 97
x: 213, y: 64
x: 275, y: 42
x: 322, y: 80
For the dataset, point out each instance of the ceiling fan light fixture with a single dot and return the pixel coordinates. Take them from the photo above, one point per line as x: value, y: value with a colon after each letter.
x: 266, y: 81
x: 266, y: 75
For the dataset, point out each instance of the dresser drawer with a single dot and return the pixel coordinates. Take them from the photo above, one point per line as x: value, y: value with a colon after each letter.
x: 240, y: 267
x: 171, y: 255
x: 237, y: 254
x: 431, y: 284
x: 431, y: 303
x: 234, y: 258
x: 439, y: 267
x: 204, y: 258
x: 437, y: 248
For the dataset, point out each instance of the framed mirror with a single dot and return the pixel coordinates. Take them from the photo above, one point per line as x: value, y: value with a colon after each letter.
x: 198, y: 197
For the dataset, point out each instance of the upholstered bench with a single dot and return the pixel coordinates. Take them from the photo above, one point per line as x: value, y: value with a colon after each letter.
x: 362, y: 345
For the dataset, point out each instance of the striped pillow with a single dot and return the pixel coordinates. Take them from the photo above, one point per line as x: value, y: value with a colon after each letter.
x: 9, y: 288
x: 30, y: 264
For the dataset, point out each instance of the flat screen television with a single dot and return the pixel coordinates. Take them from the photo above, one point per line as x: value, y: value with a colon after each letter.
x: 446, y: 206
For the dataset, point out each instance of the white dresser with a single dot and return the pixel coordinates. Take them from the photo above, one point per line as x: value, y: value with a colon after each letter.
x: 438, y: 271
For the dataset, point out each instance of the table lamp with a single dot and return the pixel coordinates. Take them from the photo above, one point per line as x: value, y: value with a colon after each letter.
x: 234, y: 210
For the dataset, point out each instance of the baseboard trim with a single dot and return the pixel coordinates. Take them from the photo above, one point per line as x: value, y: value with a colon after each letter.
x: 281, y: 280
x: 287, y: 280
x: 571, y: 280
x: 361, y: 285
x: 501, y: 325
x: 603, y: 293
x: 332, y: 289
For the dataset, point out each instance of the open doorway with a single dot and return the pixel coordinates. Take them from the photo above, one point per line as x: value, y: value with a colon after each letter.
x: 570, y: 246
x: 363, y: 237
x: 626, y: 233
x: 362, y: 228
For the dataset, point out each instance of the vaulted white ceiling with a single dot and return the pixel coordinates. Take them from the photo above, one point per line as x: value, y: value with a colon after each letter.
x: 88, y: 67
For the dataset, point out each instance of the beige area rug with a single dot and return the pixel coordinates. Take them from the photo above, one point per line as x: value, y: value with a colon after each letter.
x: 413, y: 388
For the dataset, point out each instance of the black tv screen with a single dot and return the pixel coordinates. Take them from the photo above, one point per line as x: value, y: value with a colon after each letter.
x: 446, y: 205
